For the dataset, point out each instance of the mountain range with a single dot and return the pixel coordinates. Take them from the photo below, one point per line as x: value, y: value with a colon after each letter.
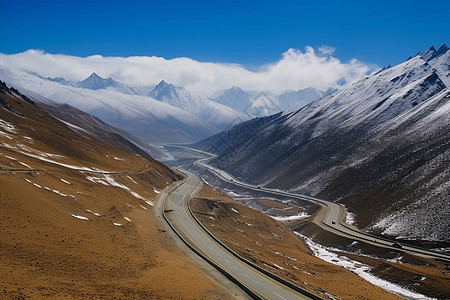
x: 381, y: 146
x: 221, y: 116
x: 257, y: 104
x: 150, y: 120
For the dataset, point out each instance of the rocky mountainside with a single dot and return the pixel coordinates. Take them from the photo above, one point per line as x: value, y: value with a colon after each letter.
x: 380, y: 146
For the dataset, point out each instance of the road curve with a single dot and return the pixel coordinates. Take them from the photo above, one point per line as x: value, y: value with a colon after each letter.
x: 257, y: 284
x: 333, y: 219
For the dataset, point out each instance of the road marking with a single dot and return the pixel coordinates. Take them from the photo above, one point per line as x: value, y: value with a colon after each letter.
x: 235, y: 267
x: 256, y: 282
x: 280, y: 296
x: 227, y: 261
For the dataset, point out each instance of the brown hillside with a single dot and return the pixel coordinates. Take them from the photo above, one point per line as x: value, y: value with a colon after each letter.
x: 70, y: 230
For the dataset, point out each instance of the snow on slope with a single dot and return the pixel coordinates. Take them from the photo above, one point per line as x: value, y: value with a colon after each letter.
x: 380, y: 145
x: 220, y: 115
x: 148, y: 119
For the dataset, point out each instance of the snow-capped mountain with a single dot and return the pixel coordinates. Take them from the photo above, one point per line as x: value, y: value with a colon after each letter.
x: 95, y: 82
x: 294, y: 100
x: 257, y: 104
x: 380, y: 146
x: 235, y: 98
x: 220, y: 115
x: 150, y: 120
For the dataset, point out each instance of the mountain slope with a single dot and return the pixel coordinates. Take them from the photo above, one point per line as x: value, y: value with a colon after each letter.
x: 220, y: 116
x: 381, y: 146
x: 150, y: 120
x: 77, y: 216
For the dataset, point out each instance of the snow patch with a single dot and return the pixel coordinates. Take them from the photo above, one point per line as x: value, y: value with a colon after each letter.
x: 290, y: 218
x: 6, y: 135
x: 94, y: 213
x: 14, y: 159
x: 281, y: 268
x: 80, y: 217
x: 118, y: 224
x: 234, y: 210
x: 132, y: 180
x: 350, y: 218
x: 24, y: 164
x: 65, y: 181
x: 8, y: 126
x: 358, y: 268
x: 127, y: 219
x: 109, y: 180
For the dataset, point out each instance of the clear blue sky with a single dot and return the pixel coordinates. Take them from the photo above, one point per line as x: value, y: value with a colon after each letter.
x: 251, y: 33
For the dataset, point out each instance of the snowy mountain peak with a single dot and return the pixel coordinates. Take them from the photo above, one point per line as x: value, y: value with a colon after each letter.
x: 94, y: 76
x: 442, y: 49
x: 162, y: 84
x: 432, y: 53
x: 167, y: 92
x: 96, y: 82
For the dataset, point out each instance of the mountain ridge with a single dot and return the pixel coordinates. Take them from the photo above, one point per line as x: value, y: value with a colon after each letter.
x: 357, y: 146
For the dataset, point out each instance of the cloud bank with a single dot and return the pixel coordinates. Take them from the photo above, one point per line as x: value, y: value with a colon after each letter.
x: 295, y: 70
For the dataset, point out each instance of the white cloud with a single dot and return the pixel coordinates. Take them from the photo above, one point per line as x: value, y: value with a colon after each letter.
x: 295, y: 70
x: 326, y: 50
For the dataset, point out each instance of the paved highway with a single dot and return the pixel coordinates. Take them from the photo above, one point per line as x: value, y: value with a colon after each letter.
x: 333, y: 218
x: 177, y: 214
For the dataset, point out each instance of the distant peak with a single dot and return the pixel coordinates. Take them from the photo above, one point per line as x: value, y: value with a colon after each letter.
x: 94, y: 75
x: 442, y: 49
x: 432, y: 53
x: 163, y: 83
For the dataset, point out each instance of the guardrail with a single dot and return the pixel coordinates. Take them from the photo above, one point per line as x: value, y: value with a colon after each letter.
x: 264, y: 271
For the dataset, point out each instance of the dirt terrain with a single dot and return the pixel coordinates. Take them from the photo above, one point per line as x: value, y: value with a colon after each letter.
x: 273, y: 246
x: 69, y: 229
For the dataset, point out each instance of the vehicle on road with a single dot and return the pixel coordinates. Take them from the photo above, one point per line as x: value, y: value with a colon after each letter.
x: 333, y: 222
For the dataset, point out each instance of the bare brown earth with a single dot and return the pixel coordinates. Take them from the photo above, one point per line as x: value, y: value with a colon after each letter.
x: 273, y: 246
x: 74, y: 234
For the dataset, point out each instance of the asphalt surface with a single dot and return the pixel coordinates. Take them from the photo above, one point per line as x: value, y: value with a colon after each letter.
x: 333, y: 220
x: 178, y: 215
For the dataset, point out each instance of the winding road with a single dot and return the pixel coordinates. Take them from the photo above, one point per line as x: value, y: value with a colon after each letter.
x: 331, y: 220
x: 254, y: 282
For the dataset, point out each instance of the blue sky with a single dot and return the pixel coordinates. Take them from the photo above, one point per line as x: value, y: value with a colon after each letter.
x: 251, y: 33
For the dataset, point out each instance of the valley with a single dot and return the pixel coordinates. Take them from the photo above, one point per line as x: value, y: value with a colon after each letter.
x: 115, y: 190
